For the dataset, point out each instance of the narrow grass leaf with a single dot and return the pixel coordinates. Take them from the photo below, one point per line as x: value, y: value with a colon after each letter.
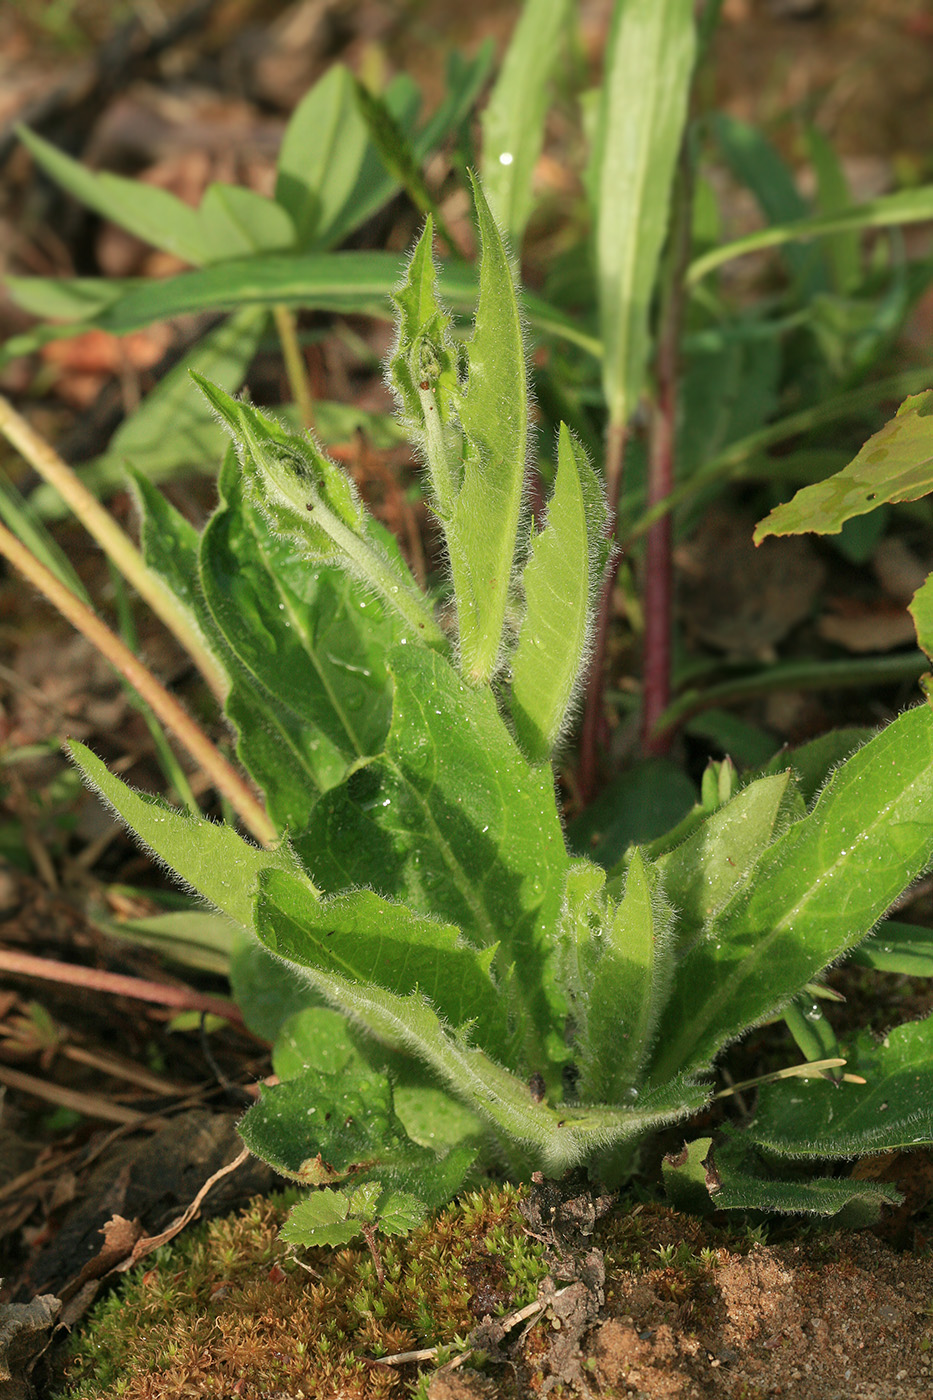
x: 513, y: 118
x: 834, y: 197
x: 813, y: 1033
x: 646, y: 87
x: 352, y: 282
x: 154, y: 215
x: 888, y: 211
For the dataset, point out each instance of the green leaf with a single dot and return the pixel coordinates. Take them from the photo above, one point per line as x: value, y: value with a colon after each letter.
x: 905, y: 207
x: 466, y: 78
x: 334, y: 1218
x: 352, y: 282
x: 561, y: 581
x: 307, y: 646
x: 629, y: 972
x: 325, y: 1218
x: 741, y: 1178
x: 309, y: 500
x: 818, y: 890
x: 68, y: 298
x: 153, y: 215
x: 452, y: 822
x: 687, y: 1178
x: 557, y: 1137
x: 813, y: 1033
x: 812, y: 763
x: 369, y: 939
x: 170, y: 545
x: 895, y: 464
x: 513, y: 118
x: 424, y: 370
x: 834, y: 197
x: 212, y: 859
x: 320, y: 1038
x: 482, y: 531
x: 237, y: 221
x: 701, y: 873
x: 320, y: 158
x: 756, y: 162
x: 649, y: 66
x: 23, y: 519
x: 268, y: 991
x: 921, y: 610
x: 396, y: 151
x: 893, y: 1109
x: 320, y: 1128
x: 895, y: 947
x: 191, y: 937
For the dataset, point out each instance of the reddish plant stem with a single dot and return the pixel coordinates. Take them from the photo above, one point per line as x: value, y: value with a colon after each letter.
x: 593, y: 731
x: 659, y: 566
x: 658, y: 590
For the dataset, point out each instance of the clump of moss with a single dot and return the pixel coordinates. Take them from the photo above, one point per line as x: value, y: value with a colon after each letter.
x: 227, y: 1311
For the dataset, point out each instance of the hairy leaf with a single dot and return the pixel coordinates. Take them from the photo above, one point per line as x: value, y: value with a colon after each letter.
x: 561, y: 580
x: 369, y: 939
x: 310, y: 689
x: 452, y: 822
x: 892, y: 1109
x: 308, y: 500
x: 739, y: 1178
x: 483, y: 530
x: 701, y: 873
x: 818, y: 890
x: 211, y: 858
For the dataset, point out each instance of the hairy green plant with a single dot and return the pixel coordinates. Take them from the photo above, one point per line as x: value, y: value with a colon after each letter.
x: 633, y: 312
x: 446, y: 984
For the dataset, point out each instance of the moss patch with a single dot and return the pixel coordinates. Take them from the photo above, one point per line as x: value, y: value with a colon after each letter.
x: 226, y: 1311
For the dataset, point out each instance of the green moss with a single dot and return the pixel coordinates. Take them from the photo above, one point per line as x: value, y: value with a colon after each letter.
x: 227, y: 1306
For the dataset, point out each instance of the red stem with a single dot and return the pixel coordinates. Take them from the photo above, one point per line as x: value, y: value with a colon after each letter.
x: 659, y: 565
x: 659, y: 576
